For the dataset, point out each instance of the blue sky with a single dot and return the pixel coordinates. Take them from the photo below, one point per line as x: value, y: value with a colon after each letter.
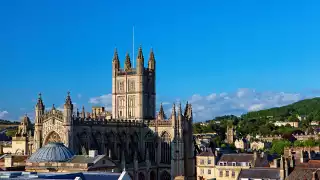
x: 268, y: 49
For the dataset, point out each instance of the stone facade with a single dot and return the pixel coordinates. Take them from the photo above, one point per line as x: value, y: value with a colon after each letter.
x: 153, y: 146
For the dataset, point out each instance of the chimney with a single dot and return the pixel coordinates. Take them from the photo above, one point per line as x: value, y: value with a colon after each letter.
x: 275, y: 163
x: 301, y: 156
x: 314, y: 175
x: 110, y: 154
x: 292, y: 162
x: 93, y: 153
x: 216, y: 153
x: 282, y: 168
x: 255, y: 155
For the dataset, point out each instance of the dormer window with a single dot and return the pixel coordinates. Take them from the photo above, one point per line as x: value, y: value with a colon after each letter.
x: 234, y: 163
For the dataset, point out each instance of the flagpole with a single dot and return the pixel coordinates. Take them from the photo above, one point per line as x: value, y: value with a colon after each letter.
x: 133, y: 58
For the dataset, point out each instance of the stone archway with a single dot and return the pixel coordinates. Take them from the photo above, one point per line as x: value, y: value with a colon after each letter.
x: 52, y: 137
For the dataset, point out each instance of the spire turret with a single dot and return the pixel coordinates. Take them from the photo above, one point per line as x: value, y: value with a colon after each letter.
x: 186, y: 109
x: 161, y: 114
x: 83, y: 113
x: 173, y: 112
x: 140, y: 54
x: 68, y: 104
x: 140, y: 62
x: 127, y: 64
x: 151, y: 62
x: 115, y: 60
x: 40, y: 104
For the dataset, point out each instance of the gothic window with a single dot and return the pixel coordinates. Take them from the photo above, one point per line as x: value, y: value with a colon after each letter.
x: 150, y: 146
x: 53, y: 137
x: 121, y: 86
x: 165, y: 148
x: 131, y: 85
x: 131, y: 105
x: 53, y: 121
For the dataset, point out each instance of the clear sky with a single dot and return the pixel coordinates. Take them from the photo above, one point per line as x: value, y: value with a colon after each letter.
x: 207, y: 52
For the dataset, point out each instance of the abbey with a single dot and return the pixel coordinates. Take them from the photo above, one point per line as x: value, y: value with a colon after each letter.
x: 147, y: 144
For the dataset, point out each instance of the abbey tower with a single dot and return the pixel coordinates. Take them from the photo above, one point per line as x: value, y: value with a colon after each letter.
x: 133, y: 89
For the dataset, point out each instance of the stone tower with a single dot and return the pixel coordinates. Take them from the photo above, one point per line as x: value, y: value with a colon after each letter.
x: 38, y: 123
x: 133, y: 89
x: 67, y: 122
x: 183, y: 158
x: 230, y: 135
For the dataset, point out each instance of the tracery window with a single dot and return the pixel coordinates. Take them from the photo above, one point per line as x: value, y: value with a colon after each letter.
x: 150, y: 145
x: 131, y: 105
x: 121, y: 86
x: 165, y: 148
x: 131, y: 85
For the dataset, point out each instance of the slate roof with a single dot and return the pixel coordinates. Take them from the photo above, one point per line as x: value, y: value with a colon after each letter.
x: 236, y: 158
x: 52, y: 152
x: 71, y: 176
x: 242, y: 157
x: 260, y: 173
x: 303, y: 174
x: 206, y: 153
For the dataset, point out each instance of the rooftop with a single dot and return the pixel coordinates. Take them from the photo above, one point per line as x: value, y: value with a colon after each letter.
x: 260, y: 173
x: 206, y: 153
x: 70, y: 176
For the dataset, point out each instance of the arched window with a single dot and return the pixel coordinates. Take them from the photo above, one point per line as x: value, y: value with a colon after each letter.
x: 150, y: 145
x: 165, y: 176
x: 165, y: 148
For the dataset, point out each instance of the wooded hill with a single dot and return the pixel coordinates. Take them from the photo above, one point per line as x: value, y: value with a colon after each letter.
x: 261, y: 122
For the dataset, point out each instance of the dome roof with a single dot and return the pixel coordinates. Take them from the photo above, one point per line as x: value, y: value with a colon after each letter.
x: 52, y: 152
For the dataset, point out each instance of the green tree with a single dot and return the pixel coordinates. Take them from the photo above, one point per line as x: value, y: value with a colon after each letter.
x: 11, y: 133
x: 279, y: 145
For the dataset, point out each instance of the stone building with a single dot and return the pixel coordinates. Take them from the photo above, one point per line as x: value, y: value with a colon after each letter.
x: 147, y: 144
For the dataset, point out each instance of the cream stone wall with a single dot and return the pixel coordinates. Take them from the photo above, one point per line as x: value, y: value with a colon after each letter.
x: 19, y: 146
x: 205, y: 167
x: 228, y: 172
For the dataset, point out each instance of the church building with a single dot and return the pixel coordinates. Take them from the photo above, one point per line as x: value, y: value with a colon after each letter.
x: 145, y: 143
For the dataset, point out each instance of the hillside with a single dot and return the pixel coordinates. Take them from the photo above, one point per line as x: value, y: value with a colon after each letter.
x: 308, y: 107
x: 261, y: 122
x: 7, y: 122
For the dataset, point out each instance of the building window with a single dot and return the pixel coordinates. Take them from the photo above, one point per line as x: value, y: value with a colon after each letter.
x: 234, y: 164
x: 209, y: 161
x: 221, y: 173
x: 121, y: 86
x: 233, y: 174
x: 103, y: 161
x: 201, y: 161
x: 227, y: 173
x: 221, y: 163
x: 202, y: 171
x: 209, y: 171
